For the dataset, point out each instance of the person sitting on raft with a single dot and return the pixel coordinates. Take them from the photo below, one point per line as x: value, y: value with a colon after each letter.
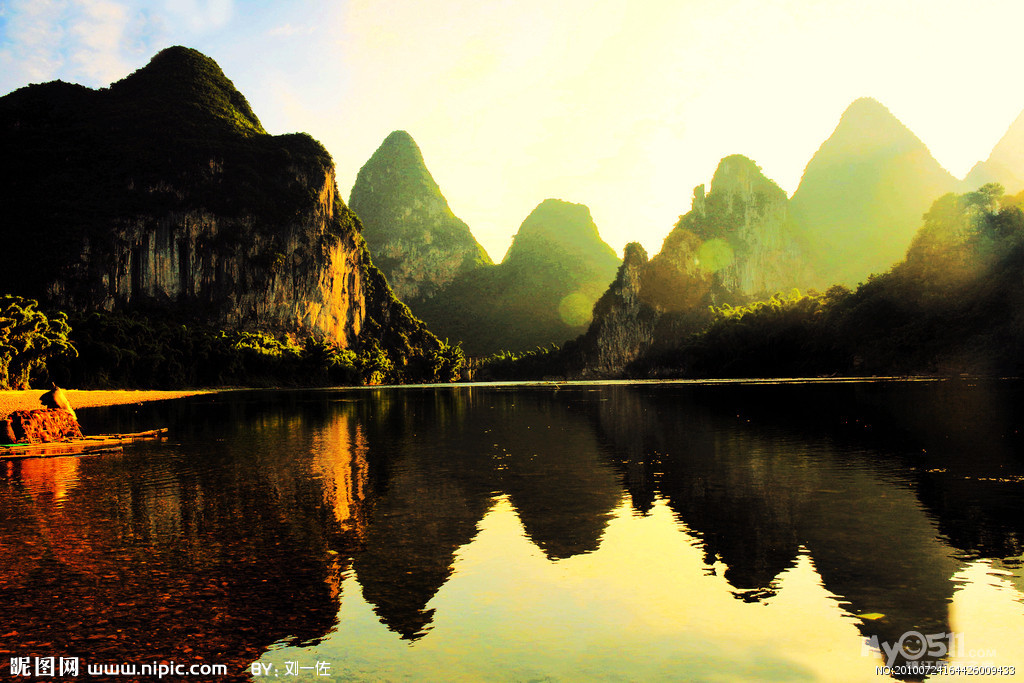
x: 56, y: 398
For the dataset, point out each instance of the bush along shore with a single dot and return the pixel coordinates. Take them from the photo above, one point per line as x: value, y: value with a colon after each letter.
x: 112, y: 350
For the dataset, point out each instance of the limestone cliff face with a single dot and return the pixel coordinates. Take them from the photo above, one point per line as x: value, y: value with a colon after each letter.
x: 163, y: 193
x: 416, y: 240
x: 734, y: 245
x: 749, y: 242
x: 300, y: 277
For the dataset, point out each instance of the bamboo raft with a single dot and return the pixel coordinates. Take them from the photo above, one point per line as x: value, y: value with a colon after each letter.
x: 86, y: 445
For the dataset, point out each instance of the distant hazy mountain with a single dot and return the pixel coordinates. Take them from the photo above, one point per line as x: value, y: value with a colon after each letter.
x: 1005, y: 165
x: 556, y: 268
x: 863, y: 193
x: 561, y: 240
x: 542, y: 292
x: 414, y: 237
x: 954, y: 305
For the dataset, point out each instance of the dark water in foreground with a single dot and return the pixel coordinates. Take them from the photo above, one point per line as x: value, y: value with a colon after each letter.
x: 555, y: 532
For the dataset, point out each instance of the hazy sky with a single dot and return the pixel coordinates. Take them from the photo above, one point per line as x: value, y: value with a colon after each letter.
x: 623, y: 106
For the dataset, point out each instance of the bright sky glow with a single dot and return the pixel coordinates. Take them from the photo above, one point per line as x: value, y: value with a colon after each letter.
x: 622, y: 105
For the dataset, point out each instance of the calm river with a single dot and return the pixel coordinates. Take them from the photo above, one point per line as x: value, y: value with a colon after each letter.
x: 576, y: 532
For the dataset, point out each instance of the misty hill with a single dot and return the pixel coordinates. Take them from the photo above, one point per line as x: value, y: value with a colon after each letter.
x: 541, y: 293
x: 862, y: 195
x: 164, y: 193
x: 415, y: 239
x: 1005, y: 165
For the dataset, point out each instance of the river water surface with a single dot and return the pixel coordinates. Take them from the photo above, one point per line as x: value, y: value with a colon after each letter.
x: 621, y: 532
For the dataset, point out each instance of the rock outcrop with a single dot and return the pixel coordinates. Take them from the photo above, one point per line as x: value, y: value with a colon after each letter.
x: 735, y: 244
x: 163, y: 193
x: 416, y: 240
x: 623, y: 325
x: 747, y: 237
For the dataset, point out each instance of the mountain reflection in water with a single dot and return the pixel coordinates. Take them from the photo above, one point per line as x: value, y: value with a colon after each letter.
x: 572, y: 531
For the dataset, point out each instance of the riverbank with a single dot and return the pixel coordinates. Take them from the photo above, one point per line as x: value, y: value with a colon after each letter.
x: 29, y: 399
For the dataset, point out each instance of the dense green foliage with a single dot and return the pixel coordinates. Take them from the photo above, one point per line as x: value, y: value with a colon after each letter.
x: 787, y: 335
x: 417, y: 355
x: 121, y: 351
x: 28, y: 339
x: 538, y: 363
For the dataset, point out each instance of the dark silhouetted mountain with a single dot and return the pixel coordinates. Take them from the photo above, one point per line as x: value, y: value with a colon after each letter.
x: 415, y: 239
x: 623, y: 325
x: 862, y: 195
x: 164, y: 193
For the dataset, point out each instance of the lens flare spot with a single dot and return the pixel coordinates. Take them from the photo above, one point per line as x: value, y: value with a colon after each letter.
x: 714, y: 254
x: 575, y: 309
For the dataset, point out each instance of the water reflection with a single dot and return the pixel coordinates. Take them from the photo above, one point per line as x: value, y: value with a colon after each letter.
x: 543, y: 528
x: 757, y: 496
x: 204, y: 550
x: 444, y: 456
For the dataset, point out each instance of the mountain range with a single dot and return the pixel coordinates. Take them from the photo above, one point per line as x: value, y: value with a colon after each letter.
x: 164, y: 194
x: 543, y: 290
x: 855, y: 213
x: 857, y: 207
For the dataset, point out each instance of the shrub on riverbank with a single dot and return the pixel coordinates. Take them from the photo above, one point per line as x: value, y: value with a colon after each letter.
x: 121, y: 351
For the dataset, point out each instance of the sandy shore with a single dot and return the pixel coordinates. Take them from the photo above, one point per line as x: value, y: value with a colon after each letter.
x: 27, y: 400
